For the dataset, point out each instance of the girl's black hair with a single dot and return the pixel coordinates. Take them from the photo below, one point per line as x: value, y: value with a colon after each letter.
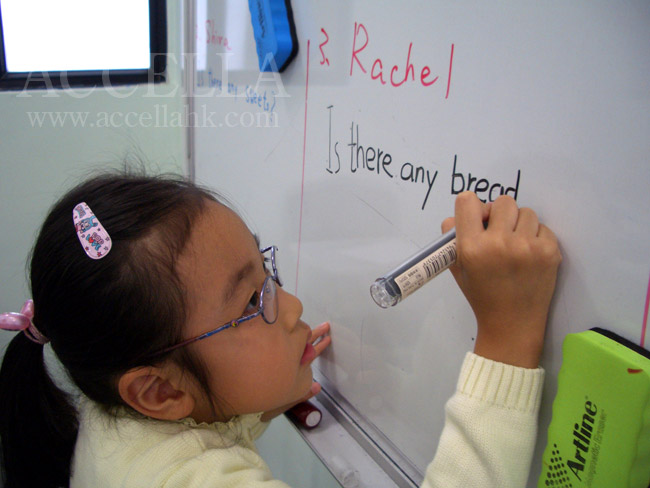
x: 103, y: 317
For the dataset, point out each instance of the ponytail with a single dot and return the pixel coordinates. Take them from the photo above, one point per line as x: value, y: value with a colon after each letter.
x: 38, y: 423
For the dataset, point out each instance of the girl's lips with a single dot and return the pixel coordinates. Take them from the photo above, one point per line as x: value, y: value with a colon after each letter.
x: 309, y: 355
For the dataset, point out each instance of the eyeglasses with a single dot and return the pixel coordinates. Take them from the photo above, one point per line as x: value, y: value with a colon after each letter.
x: 267, y: 308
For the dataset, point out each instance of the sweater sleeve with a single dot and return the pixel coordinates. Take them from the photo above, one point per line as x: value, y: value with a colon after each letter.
x: 490, y: 427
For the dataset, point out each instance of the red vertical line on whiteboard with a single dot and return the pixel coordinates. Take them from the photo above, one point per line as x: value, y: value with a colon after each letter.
x: 451, y: 62
x: 302, y: 185
x: 645, y: 315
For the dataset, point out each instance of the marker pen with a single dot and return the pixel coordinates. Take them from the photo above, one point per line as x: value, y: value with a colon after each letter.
x: 428, y: 263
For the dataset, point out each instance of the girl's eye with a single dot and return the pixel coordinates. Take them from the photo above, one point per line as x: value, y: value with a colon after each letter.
x: 253, y: 303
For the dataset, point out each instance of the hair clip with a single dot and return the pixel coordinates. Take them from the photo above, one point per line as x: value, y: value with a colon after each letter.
x: 23, y: 321
x: 93, y: 236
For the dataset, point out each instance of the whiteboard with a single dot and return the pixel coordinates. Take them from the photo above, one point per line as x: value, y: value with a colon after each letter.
x: 349, y: 160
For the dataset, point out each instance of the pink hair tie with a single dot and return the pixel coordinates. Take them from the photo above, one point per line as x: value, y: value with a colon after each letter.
x: 23, y: 321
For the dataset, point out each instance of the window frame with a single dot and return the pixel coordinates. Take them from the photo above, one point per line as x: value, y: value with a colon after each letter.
x: 38, y: 80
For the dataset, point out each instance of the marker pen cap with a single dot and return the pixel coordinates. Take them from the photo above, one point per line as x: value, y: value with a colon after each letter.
x: 306, y: 414
x: 381, y: 295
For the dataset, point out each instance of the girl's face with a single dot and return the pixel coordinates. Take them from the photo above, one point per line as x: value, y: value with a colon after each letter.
x: 255, y: 367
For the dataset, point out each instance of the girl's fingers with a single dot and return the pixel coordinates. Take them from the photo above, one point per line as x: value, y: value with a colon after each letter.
x: 448, y: 224
x: 551, y: 245
x: 545, y: 233
x: 322, y: 345
x: 527, y: 223
x: 320, y: 339
x: 320, y: 331
x: 504, y: 214
x: 470, y: 213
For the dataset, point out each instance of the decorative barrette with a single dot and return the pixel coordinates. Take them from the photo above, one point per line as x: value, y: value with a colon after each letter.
x: 23, y: 321
x: 93, y: 236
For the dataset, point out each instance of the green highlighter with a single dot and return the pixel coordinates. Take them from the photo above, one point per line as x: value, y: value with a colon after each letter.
x: 599, y: 436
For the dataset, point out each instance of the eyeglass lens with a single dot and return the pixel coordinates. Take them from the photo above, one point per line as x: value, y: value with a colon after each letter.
x: 270, y: 301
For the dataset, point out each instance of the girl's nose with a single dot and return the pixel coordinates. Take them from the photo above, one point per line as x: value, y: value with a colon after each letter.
x: 290, y: 308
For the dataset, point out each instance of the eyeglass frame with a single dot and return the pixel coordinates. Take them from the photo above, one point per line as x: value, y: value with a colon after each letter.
x: 274, y: 279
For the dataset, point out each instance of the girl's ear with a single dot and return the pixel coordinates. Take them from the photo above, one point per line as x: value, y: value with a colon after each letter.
x: 156, y: 392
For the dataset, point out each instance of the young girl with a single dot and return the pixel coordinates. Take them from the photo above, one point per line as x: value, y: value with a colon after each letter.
x: 171, y: 320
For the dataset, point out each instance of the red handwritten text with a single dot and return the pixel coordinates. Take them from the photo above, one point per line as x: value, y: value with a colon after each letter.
x: 213, y: 37
x: 325, y: 60
x: 395, y: 76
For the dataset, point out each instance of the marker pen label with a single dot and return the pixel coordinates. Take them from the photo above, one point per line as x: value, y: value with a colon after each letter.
x: 417, y: 275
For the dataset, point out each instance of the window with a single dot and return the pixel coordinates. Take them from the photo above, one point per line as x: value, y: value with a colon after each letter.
x: 47, y: 44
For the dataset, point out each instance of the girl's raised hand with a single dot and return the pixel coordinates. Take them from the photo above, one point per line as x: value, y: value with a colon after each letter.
x: 507, y: 272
